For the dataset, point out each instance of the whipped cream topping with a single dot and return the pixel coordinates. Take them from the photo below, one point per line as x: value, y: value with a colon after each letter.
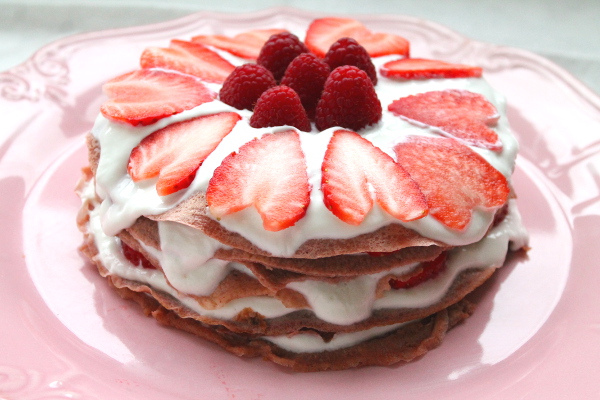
x: 124, y: 200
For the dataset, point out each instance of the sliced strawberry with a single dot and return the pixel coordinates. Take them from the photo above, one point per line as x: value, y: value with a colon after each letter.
x: 175, y: 153
x: 145, y: 96
x: 322, y: 33
x: 135, y: 257
x: 427, y: 270
x: 457, y: 113
x: 420, y: 68
x: 454, y: 179
x: 269, y: 173
x: 355, y: 173
x: 188, y: 58
x: 246, y: 45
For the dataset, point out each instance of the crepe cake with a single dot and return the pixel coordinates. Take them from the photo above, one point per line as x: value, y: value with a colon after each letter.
x: 320, y: 199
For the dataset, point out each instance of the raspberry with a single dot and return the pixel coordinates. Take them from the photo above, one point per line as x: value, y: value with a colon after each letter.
x: 348, y: 100
x: 307, y: 74
x: 278, y: 106
x: 279, y: 51
x: 245, y: 84
x: 347, y: 51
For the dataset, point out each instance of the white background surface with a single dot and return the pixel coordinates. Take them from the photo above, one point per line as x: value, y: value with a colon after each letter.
x: 566, y: 32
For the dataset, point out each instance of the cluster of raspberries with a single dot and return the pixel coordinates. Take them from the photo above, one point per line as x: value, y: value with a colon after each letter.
x: 291, y: 86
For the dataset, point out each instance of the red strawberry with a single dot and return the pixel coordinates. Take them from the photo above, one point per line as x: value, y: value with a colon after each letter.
x: 427, y: 270
x: 307, y: 74
x: 279, y: 106
x: 348, y: 100
x: 188, y: 58
x: 454, y: 179
x: 269, y: 173
x: 279, y: 51
x: 458, y: 113
x: 322, y: 33
x: 135, y: 257
x: 420, y: 68
x: 175, y: 153
x: 356, y: 173
x: 245, y: 45
x: 245, y: 85
x: 347, y: 51
x: 145, y: 96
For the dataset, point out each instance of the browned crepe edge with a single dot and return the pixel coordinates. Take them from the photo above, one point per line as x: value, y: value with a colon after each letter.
x: 235, y: 285
x: 404, y: 344
x: 93, y: 146
x: 146, y: 231
x: 390, y: 238
x: 265, y: 282
x: 250, y: 322
x: 337, y: 266
x: 273, y: 280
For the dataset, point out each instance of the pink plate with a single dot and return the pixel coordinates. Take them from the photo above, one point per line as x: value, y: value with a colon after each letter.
x: 65, y: 334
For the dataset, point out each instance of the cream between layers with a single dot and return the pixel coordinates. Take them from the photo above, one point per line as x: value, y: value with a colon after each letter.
x: 343, y: 303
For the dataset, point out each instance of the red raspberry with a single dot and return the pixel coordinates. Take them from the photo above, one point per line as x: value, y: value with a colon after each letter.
x: 245, y: 84
x: 307, y: 74
x: 278, y: 106
x: 347, y: 51
x: 348, y: 100
x: 279, y: 51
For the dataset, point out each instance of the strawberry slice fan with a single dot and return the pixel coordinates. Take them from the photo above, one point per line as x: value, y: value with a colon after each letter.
x: 254, y: 191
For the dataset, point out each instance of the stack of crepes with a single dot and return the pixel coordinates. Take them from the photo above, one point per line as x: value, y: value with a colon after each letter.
x: 319, y: 250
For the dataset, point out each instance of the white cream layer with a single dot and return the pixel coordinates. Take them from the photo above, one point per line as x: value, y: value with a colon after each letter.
x: 344, y: 303
x: 124, y: 200
x: 311, y: 343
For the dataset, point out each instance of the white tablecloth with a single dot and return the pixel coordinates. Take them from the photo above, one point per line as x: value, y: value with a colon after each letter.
x: 566, y: 32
